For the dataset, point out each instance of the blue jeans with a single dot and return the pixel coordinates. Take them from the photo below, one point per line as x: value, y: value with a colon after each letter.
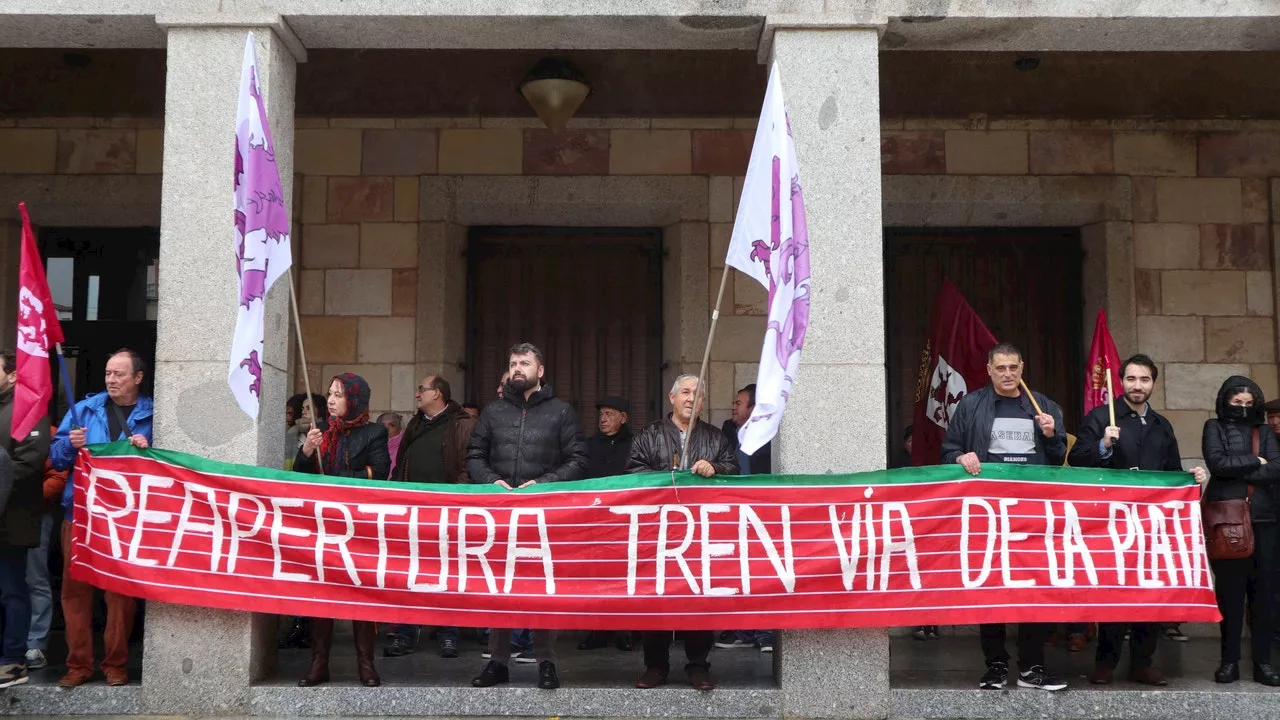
x: 410, y: 632
x: 15, y: 602
x: 38, y: 584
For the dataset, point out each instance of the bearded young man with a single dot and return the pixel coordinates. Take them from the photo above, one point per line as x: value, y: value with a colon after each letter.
x: 528, y: 436
x: 1141, y: 439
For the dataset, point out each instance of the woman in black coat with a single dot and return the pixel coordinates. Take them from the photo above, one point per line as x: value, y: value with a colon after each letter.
x: 350, y: 446
x: 1239, y: 472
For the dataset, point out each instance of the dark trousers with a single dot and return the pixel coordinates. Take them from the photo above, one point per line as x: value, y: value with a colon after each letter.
x: 410, y: 632
x: 1142, y: 644
x: 15, y: 600
x: 1031, y: 639
x: 697, y: 646
x: 1236, y: 581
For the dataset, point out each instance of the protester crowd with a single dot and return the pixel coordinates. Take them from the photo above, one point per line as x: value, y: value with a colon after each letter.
x: 528, y: 436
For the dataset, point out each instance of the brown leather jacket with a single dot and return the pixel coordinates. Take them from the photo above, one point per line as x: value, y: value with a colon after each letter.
x: 457, y: 435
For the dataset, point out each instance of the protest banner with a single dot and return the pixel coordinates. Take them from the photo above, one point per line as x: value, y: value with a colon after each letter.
x: 929, y: 545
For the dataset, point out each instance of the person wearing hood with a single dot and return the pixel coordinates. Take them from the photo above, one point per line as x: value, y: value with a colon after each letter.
x: 349, y: 446
x: 1140, y: 439
x: 527, y: 437
x: 432, y: 449
x: 1243, y: 458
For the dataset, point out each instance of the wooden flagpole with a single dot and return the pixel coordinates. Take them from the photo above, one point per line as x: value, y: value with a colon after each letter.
x: 706, y: 356
x: 1111, y: 406
x: 302, y: 355
x: 1031, y: 396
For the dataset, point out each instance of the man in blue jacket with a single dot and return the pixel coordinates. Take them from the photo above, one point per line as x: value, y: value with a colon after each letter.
x: 119, y: 413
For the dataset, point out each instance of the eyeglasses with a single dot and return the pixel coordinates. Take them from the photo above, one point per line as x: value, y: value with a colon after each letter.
x: 424, y: 388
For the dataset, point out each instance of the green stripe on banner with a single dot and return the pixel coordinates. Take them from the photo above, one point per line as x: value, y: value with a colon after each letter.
x: 904, y: 476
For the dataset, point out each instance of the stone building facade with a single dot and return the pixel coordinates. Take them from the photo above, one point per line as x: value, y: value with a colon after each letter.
x: 1172, y: 189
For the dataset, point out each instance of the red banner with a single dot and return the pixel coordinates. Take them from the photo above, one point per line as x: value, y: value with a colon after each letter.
x: 902, y: 547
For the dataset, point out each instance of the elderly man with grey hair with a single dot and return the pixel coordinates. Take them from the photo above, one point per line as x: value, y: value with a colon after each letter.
x: 657, y: 449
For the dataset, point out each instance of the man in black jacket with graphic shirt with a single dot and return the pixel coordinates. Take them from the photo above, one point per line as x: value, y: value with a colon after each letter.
x: 527, y: 436
x: 998, y: 423
x: 1141, y: 439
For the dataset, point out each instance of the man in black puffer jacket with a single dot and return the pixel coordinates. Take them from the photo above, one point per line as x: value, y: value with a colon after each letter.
x: 657, y: 449
x: 528, y: 436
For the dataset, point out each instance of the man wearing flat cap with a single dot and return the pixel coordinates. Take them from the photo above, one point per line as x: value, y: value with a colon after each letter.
x: 607, y: 451
x: 1272, y: 407
x: 607, y: 454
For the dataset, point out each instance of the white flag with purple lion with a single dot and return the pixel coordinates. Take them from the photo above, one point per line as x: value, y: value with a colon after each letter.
x: 771, y: 244
x: 261, y: 234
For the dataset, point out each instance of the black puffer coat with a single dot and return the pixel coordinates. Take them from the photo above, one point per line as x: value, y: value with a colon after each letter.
x: 656, y: 445
x: 363, y: 452
x: 519, y: 440
x: 1229, y: 456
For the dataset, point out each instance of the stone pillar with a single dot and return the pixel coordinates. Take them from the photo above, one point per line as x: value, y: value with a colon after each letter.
x: 830, y: 79
x: 196, y: 660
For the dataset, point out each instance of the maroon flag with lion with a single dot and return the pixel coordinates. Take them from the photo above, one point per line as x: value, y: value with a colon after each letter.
x: 954, y: 360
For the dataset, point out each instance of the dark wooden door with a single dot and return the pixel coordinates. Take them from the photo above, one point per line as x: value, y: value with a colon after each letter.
x: 591, y: 300
x: 1024, y: 283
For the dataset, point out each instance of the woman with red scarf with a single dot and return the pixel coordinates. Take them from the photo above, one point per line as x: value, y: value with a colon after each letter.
x: 350, y: 446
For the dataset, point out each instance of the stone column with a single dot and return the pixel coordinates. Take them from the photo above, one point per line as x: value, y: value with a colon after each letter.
x: 835, y: 421
x: 196, y: 660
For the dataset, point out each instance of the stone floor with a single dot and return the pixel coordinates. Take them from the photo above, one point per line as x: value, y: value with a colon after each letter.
x: 934, y: 680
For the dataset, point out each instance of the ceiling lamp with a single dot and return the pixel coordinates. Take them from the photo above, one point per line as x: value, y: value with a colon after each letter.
x: 555, y: 89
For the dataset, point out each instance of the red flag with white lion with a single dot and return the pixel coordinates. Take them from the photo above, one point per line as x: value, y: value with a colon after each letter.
x: 38, y: 331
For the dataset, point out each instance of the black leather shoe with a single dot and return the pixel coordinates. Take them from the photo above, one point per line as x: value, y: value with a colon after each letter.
x: 398, y: 647
x: 1266, y: 675
x: 448, y: 648
x: 547, y: 678
x: 623, y: 642
x: 492, y: 674
x: 1227, y: 673
x: 593, y: 641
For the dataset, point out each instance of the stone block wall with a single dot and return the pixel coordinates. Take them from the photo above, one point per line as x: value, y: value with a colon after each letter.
x: 373, y: 192
x: 372, y: 188
x: 1204, y: 289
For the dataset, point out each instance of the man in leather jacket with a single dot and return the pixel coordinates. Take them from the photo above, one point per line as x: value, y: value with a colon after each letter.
x: 999, y: 423
x: 657, y: 449
x: 528, y: 436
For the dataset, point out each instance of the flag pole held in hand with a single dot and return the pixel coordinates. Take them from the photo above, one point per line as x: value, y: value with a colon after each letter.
x: 1032, y: 396
x: 1111, y: 406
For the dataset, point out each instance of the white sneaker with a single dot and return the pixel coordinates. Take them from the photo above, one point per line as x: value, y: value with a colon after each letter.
x: 36, y: 659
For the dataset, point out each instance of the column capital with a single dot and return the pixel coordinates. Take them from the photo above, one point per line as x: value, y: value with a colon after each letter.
x: 247, y: 20
x: 842, y: 21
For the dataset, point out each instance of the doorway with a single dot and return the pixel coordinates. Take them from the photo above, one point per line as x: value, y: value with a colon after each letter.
x: 103, y: 282
x: 1025, y: 284
x: 590, y: 299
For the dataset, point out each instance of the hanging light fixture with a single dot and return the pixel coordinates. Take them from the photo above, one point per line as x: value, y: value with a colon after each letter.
x: 555, y: 89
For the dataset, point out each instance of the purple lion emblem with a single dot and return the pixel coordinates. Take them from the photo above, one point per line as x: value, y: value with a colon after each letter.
x: 787, y: 262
